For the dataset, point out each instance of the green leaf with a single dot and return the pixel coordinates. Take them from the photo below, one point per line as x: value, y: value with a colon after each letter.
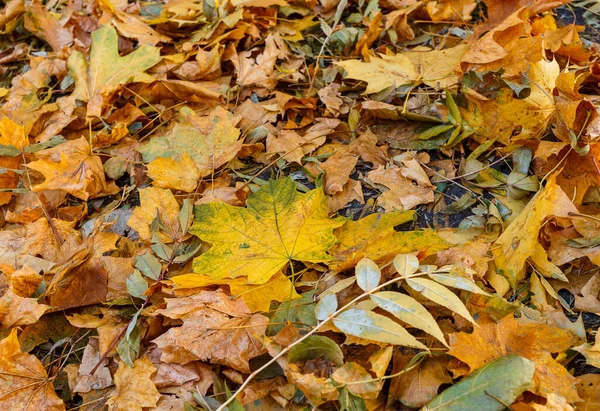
x: 129, y: 347
x: 301, y: 311
x: 456, y: 281
x: 440, y: 295
x: 107, y: 68
x: 368, y: 274
x: 409, y: 310
x: 136, y: 285
x: 490, y: 388
x: 149, y: 266
x: 314, y: 347
x: 375, y: 327
x: 434, y: 131
x: 350, y: 402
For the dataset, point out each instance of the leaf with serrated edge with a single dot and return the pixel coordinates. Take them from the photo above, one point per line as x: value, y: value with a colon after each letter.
x: 279, y: 225
x: 375, y: 327
x: 407, y: 309
x: 440, y: 295
x: 368, y: 274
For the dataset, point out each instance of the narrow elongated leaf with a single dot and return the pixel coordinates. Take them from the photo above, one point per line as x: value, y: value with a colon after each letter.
x: 368, y: 274
x: 407, y: 309
x: 376, y: 327
x: 489, y: 388
x: 456, y: 281
x: 406, y: 264
x: 314, y: 347
x: 440, y: 295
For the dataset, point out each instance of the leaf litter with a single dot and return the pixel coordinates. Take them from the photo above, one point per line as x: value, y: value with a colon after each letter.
x: 285, y: 204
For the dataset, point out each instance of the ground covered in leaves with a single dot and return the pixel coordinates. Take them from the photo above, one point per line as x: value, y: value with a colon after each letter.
x: 299, y: 204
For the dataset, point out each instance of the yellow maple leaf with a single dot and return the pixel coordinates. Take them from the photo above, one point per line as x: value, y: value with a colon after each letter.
x: 71, y: 167
x: 432, y: 67
x: 156, y: 202
x: 278, y: 226
x: 135, y: 389
x: 24, y: 383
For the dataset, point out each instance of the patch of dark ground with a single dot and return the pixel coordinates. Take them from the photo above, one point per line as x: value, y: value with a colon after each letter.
x: 574, y: 13
x: 592, y: 323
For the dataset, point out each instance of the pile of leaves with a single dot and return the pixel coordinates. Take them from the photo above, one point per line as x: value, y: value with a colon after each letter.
x: 292, y: 204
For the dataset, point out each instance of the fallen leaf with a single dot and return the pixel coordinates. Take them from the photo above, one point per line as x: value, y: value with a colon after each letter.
x: 518, y: 242
x: 407, y: 69
x: 108, y: 71
x: 26, y: 385
x: 215, y: 327
x: 374, y: 237
x: 491, y: 386
x: 156, y: 203
x: 71, y: 167
x: 257, y: 297
x: 419, y: 385
x: 209, y: 141
x: 536, y: 342
x: 134, y: 388
x: 591, y: 352
x: 279, y: 225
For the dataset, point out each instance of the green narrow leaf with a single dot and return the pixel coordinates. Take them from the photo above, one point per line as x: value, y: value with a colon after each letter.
x: 314, y: 347
x: 453, y: 108
x: 149, y: 266
x: 456, y: 281
x: 136, y: 285
x: 368, y: 274
x: 376, y: 327
x: 129, y: 347
x: 434, y: 131
x: 489, y: 388
x: 440, y: 295
x: 409, y: 310
x: 186, y: 214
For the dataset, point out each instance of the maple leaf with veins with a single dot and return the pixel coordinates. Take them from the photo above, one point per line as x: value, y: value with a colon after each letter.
x: 278, y: 226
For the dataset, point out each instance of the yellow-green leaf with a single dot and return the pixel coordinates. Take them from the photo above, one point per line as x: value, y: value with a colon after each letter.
x: 278, y: 226
x: 440, y: 295
x: 407, y: 309
x: 375, y: 327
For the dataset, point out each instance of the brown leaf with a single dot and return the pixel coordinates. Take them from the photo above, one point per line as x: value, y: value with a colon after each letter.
x: 419, y: 385
x: 71, y: 167
x: 215, y: 327
x: 533, y: 341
